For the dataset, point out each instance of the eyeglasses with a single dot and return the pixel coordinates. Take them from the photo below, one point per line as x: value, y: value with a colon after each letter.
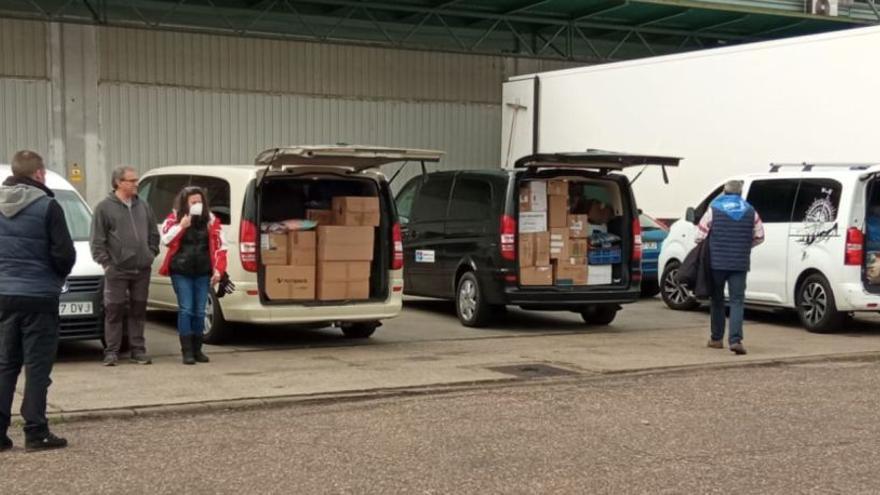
x: 133, y: 181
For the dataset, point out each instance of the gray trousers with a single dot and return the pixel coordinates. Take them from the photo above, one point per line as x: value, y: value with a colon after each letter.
x: 28, y: 340
x: 125, y: 300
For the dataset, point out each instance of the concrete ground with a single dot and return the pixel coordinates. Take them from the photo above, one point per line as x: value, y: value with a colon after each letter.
x: 424, y: 349
x: 789, y: 428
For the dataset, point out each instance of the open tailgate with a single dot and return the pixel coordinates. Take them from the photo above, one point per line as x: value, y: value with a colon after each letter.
x: 340, y: 157
x: 594, y: 159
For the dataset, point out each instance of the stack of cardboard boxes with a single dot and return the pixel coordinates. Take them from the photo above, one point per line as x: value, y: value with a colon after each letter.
x: 546, y: 226
x: 328, y: 264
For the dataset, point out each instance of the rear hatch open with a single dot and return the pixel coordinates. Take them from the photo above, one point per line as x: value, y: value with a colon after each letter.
x: 328, y: 226
x: 577, y: 222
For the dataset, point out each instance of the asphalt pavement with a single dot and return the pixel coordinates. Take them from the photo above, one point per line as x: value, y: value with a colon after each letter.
x: 788, y: 428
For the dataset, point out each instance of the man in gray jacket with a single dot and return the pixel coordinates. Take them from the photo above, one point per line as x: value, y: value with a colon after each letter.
x: 125, y: 240
x: 36, y: 256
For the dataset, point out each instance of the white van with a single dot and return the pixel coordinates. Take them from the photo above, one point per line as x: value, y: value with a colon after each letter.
x: 818, y: 248
x: 82, y: 298
x: 283, y: 184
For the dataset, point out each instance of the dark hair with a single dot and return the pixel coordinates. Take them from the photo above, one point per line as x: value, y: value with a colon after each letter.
x: 181, y: 204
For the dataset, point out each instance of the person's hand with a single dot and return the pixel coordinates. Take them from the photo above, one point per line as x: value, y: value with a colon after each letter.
x: 215, y: 279
x: 186, y: 222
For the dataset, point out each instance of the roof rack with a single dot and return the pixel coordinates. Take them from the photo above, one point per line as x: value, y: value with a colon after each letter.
x: 807, y: 167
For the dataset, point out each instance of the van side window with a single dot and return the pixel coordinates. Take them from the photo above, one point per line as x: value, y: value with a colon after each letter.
x: 165, y: 192
x: 817, y: 201
x: 701, y: 209
x: 431, y: 203
x: 218, y: 195
x: 404, y: 199
x: 773, y: 199
x: 471, y: 200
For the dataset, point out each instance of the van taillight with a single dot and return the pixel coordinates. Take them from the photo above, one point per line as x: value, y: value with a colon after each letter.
x: 508, y: 238
x: 637, y: 243
x: 855, y: 247
x: 397, y: 249
x: 247, y: 245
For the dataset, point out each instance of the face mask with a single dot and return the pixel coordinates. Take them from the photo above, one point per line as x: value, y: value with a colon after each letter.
x: 196, y: 209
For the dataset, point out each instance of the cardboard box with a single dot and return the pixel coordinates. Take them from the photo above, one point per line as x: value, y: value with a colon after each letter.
x: 527, y: 250
x: 557, y: 188
x: 525, y: 199
x: 570, y: 271
x: 537, y: 195
x: 285, y: 283
x: 338, y: 243
x: 558, y: 211
x: 542, y: 249
x: 536, y: 275
x: 578, y: 226
x: 322, y: 217
x: 302, y: 248
x: 338, y: 280
x: 273, y: 249
x: 559, y: 243
x: 578, y: 248
x: 532, y: 222
x: 356, y: 211
x: 599, y: 275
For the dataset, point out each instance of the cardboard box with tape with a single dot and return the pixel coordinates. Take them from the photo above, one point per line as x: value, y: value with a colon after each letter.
x: 273, y: 249
x: 339, y: 280
x: 356, y: 211
x: 570, y: 271
x: 559, y: 242
x: 339, y: 243
x: 284, y: 283
x: 578, y: 226
x: 321, y: 217
x: 536, y: 275
x: 302, y: 248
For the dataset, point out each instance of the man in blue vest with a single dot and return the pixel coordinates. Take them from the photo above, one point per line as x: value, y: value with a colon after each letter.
x: 36, y: 256
x: 733, y: 228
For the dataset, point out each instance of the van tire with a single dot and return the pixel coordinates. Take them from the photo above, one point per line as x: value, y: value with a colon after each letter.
x: 671, y: 290
x: 217, y: 329
x: 470, y: 305
x: 360, y: 330
x: 600, y: 315
x: 816, y: 306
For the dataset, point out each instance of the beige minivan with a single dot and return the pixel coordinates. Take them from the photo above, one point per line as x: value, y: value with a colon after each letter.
x: 284, y: 183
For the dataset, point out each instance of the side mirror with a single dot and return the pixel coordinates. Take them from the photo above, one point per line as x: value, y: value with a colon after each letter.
x: 691, y: 215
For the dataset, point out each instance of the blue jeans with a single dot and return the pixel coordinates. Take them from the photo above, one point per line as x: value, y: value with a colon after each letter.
x: 192, y: 297
x: 736, y: 285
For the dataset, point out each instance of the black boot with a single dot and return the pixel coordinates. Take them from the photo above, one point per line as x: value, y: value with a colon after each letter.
x: 199, y: 356
x: 186, y: 348
x: 46, y: 441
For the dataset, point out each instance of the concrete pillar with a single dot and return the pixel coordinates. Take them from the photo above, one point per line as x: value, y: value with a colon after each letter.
x: 76, y: 148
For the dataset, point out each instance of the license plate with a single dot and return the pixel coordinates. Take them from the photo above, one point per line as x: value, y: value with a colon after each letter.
x: 651, y: 245
x: 75, y: 309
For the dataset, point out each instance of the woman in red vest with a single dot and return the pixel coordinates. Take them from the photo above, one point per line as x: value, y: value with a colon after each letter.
x: 196, y: 260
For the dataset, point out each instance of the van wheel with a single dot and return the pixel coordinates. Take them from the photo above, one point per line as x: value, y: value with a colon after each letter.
x: 217, y: 329
x: 676, y: 295
x: 816, y: 306
x: 360, y: 330
x: 599, y: 315
x: 472, y: 310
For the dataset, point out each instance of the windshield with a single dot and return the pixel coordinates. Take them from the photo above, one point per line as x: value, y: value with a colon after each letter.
x: 649, y: 223
x: 79, y: 220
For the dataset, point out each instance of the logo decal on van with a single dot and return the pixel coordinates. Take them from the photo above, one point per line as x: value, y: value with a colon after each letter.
x: 424, y: 256
x: 818, y: 215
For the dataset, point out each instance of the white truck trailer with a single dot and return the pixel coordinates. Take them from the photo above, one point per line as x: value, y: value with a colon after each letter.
x: 726, y: 111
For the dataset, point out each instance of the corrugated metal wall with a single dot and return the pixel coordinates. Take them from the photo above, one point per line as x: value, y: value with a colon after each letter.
x: 24, y: 116
x: 152, y: 125
x: 24, y: 88
x: 23, y: 49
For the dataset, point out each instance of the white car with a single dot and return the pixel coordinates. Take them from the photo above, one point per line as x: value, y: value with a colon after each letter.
x: 82, y: 308
x: 283, y: 184
x: 818, y: 247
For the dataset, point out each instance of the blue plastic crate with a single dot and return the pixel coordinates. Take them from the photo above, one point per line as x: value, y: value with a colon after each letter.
x: 605, y: 256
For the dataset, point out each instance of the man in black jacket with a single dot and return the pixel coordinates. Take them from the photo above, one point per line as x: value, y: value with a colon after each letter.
x: 36, y: 256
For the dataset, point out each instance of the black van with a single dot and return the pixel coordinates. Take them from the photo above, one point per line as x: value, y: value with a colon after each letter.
x: 460, y: 236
